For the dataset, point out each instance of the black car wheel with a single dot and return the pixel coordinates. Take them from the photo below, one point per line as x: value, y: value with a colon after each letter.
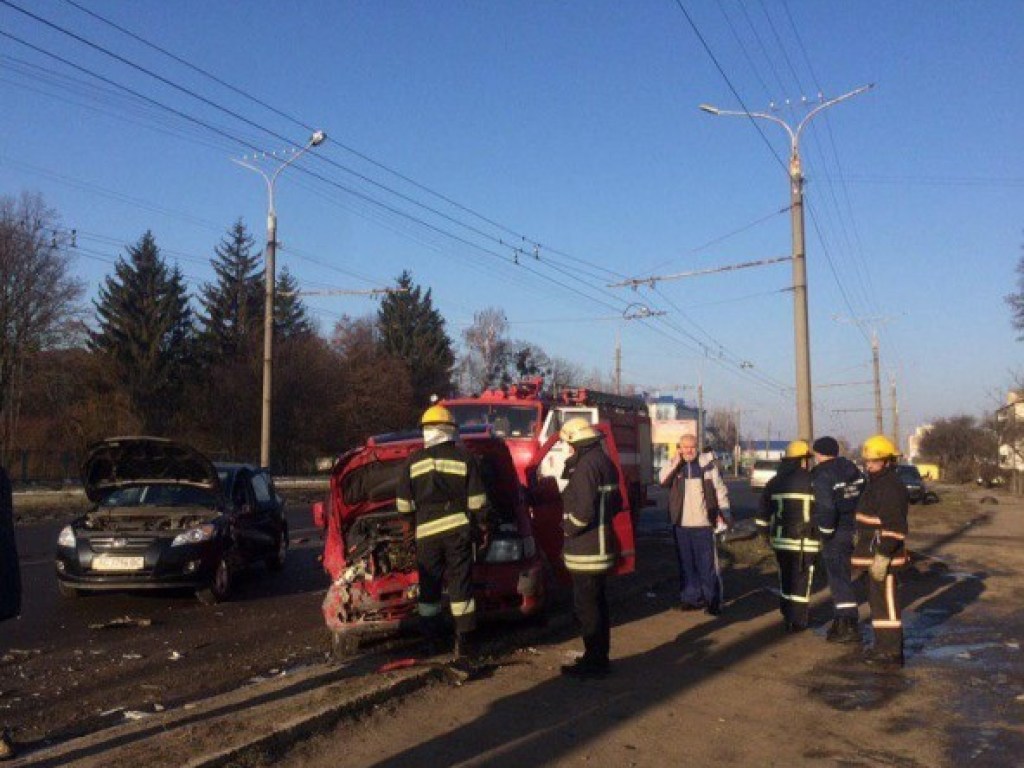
x: 276, y: 561
x: 219, y: 588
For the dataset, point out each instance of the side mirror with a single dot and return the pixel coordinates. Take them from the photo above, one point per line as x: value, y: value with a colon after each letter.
x: 319, y: 515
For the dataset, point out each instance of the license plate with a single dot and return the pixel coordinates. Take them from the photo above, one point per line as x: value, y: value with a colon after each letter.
x: 117, y: 563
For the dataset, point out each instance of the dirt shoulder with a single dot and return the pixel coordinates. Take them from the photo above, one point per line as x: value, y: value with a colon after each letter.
x: 735, y: 689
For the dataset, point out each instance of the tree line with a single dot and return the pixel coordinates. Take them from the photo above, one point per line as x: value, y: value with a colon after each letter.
x: 149, y: 357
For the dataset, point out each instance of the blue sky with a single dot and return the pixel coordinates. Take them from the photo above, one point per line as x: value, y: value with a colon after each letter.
x: 575, y: 126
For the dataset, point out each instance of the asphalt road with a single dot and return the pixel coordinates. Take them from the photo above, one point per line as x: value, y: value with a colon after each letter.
x: 66, y: 668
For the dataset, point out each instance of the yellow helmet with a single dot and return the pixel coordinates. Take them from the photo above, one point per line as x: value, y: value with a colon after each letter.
x: 798, y: 449
x: 878, y: 447
x: 577, y: 430
x: 437, y: 414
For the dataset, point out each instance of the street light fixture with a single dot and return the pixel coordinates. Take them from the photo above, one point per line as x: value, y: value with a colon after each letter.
x: 270, y: 278
x: 804, y: 412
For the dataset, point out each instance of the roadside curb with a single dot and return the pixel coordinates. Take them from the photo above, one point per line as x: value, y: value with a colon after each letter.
x: 283, y: 710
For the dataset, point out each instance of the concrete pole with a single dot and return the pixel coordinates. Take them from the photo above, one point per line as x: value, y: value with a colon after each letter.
x: 879, y: 427
x: 268, y: 336
x: 700, y: 417
x: 895, y: 415
x: 618, y: 365
x: 802, y: 339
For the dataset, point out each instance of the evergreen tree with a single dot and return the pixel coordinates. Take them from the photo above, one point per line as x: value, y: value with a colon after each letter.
x: 412, y: 329
x: 291, y: 318
x: 232, y: 315
x: 145, y: 333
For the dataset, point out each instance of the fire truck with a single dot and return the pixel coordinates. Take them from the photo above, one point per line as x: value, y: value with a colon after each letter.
x: 528, y: 419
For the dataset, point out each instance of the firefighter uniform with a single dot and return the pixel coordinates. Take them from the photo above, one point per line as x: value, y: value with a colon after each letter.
x: 837, y: 485
x: 442, y: 487
x: 787, y: 508
x: 881, y: 549
x: 589, y: 502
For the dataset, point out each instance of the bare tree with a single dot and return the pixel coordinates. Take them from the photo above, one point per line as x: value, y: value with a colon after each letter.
x: 487, y: 348
x: 722, y: 424
x: 38, y: 297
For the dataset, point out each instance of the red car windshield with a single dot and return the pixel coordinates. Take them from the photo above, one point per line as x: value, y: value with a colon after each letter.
x: 505, y: 420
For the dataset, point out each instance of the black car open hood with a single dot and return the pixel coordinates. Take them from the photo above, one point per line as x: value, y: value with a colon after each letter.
x: 122, y: 461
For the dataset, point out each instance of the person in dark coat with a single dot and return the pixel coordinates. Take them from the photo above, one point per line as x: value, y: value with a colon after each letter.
x: 785, y: 521
x: 881, y: 547
x: 589, y: 502
x: 837, y: 485
x: 10, y: 578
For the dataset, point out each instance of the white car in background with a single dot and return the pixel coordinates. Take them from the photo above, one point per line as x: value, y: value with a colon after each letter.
x: 763, y: 471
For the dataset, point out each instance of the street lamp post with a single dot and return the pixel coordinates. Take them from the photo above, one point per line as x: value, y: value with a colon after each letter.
x: 804, y: 410
x: 270, y: 281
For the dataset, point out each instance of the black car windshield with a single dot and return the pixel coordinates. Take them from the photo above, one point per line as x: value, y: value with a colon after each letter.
x: 159, y: 496
x: 506, y: 420
x: 907, y: 472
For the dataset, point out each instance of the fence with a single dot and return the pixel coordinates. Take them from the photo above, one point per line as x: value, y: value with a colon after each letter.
x: 50, y: 467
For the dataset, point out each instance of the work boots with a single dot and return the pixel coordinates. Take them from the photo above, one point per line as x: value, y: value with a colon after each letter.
x: 843, y: 630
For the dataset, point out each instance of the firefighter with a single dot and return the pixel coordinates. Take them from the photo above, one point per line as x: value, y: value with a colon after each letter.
x: 785, y: 520
x: 589, y: 502
x: 442, y: 488
x: 881, y: 547
x: 837, y: 485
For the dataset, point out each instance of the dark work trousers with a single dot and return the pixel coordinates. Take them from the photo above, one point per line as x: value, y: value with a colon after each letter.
x: 886, y: 619
x: 796, y: 573
x: 590, y: 604
x: 700, y: 584
x: 446, y: 556
x: 836, y: 554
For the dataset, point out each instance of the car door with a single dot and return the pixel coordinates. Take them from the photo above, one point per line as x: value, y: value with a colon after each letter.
x: 244, y: 516
x: 266, y: 523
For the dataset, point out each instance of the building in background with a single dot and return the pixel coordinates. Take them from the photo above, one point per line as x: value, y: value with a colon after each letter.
x: 671, y: 418
x: 1010, y: 425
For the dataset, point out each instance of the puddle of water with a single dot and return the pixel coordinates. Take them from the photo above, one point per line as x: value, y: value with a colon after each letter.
x: 963, y: 651
x: 860, y: 689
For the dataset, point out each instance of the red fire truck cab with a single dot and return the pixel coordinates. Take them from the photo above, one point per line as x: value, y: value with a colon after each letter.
x: 527, y: 419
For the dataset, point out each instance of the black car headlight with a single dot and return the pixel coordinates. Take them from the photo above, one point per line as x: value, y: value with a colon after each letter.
x: 195, y: 535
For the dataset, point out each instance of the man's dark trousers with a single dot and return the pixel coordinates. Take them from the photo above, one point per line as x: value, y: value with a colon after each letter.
x: 699, y: 583
x: 590, y: 604
x: 836, y: 554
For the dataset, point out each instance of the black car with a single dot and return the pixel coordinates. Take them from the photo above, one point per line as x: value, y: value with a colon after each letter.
x: 166, y: 517
x: 911, y: 478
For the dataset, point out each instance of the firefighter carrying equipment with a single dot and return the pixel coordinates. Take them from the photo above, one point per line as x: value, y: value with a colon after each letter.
x: 882, y: 536
x: 878, y: 447
x: 589, y: 502
x: 798, y: 449
x: 786, y: 511
x: 578, y: 430
x: 437, y: 414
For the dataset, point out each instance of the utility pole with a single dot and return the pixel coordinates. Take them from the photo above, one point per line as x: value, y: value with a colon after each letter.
x: 700, y: 415
x: 270, y: 279
x: 801, y: 333
x: 895, y: 414
x: 879, y: 427
x: 618, y: 364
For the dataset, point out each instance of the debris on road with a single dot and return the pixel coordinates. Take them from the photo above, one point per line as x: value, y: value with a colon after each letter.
x: 175, y: 656
x: 123, y: 622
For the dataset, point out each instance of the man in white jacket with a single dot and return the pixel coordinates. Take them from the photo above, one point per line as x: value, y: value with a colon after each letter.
x: 698, y: 502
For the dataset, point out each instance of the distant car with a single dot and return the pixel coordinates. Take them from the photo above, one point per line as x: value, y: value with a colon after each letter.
x: 763, y: 471
x: 911, y: 478
x: 166, y: 517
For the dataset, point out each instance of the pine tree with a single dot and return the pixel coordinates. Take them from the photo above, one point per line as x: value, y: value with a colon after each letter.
x: 413, y: 330
x: 232, y: 316
x: 145, y: 333
x: 291, y: 318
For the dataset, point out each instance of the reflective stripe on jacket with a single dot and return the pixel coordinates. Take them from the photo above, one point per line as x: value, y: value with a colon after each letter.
x: 787, y: 508
x: 589, y: 502
x: 838, y: 485
x: 882, y: 520
x: 442, y: 485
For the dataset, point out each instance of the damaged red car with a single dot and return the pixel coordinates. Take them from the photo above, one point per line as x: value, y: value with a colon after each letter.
x: 370, y: 551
